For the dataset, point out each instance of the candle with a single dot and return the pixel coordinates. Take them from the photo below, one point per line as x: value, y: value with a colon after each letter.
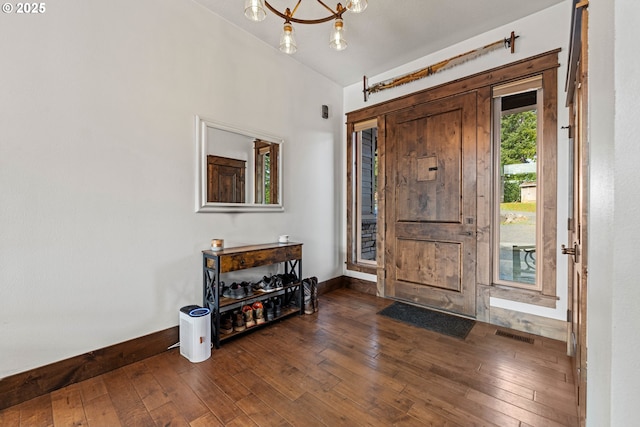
x: 217, y: 244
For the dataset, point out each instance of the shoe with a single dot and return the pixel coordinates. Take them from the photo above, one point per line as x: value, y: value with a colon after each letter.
x: 226, y: 325
x: 225, y: 290
x: 247, y: 311
x: 238, y: 322
x: 258, y: 286
x: 248, y: 288
x: 290, y: 298
x: 268, y: 308
x: 236, y: 291
x: 314, y: 293
x: 277, y: 307
x: 265, y: 285
x: 258, y: 312
x: 307, y: 286
x: 287, y: 278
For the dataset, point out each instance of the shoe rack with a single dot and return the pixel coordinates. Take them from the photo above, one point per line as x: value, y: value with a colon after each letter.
x: 216, y: 263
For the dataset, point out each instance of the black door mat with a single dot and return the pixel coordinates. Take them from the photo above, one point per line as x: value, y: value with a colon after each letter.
x: 443, y: 323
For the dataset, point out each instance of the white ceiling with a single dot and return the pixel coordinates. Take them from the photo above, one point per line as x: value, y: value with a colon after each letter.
x: 387, y: 34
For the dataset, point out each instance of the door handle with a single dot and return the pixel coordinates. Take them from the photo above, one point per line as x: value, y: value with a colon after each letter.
x: 571, y: 251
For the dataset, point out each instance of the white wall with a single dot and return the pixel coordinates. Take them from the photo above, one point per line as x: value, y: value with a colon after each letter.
x: 613, y: 387
x: 99, y: 241
x: 625, y: 350
x: 539, y: 33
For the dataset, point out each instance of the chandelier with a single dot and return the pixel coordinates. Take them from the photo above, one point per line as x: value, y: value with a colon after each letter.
x: 255, y: 11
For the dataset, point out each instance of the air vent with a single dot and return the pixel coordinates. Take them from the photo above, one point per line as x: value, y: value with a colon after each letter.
x: 514, y: 336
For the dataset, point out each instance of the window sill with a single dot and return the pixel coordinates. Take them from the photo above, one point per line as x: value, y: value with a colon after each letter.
x: 362, y: 268
x: 524, y: 296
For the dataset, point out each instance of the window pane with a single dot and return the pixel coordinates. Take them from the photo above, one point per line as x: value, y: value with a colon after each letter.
x: 518, y: 189
x: 267, y: 178
x: 367, y: 194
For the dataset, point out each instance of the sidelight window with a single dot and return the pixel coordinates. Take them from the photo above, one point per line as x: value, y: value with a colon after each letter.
x: 364, y: 204
x: 518, y: 200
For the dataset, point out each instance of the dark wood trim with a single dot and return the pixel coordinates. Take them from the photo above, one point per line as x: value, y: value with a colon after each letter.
x: 524, y: 295
x: 548, y: 152
x: 26, y: 385
x: 350, y: 194
x: 352, y: 156
x: 502, y: 74
x: 364, y: 286
x: 331, y: 285
x: 370, y: 269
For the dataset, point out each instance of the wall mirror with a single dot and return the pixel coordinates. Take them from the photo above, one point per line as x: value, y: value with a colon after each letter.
x: 238, y: 170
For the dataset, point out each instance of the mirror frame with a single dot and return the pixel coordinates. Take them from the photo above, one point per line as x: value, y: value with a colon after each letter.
x: 202, y: 124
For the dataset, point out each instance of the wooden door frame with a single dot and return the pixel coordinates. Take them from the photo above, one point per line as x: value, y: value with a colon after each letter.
x: 577, y: 100
x: 481, y: 83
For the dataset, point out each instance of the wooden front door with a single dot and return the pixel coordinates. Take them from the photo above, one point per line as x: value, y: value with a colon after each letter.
x: 430, y: 204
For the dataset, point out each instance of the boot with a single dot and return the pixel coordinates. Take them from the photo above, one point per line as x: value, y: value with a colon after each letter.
x: 268, y: 309
x: 247, y: 311
x: 258, y: 311
x: 238, y: 321
x: 307, y: 286
x: 277, y: 307
x: 314, y: 294
x: 226, y: 324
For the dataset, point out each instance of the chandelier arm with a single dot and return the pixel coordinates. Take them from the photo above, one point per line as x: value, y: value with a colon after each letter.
x: 333, y: 15
x: 293, y: 12
x: 338, y: 8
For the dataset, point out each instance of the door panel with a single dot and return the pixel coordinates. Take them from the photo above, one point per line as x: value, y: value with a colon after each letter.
x: 225, y: 179
x: 440, y: 267
x: 429, y: 169
x: 430, y: 237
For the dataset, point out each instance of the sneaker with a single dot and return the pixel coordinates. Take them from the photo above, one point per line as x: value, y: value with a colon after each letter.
x: 248, y: 288
x: 238, y: 322
x: 258, y: 286
x: 225, y: 290
x: 237, y: 291
x: 258, y: 312
x: 226, y: 324
x: 264, y: 285
x: 247, y: 311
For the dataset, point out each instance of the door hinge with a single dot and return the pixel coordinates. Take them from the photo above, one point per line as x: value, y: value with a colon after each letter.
x: 568, y: 315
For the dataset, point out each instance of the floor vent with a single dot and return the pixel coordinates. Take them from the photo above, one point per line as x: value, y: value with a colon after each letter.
x: 514, y: 336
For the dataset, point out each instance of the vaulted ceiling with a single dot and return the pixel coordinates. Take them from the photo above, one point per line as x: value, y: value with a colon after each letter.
x: 387, y: 34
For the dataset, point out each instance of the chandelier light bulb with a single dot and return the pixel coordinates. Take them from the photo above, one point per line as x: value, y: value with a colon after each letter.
x: 357, y: 6
x: 337, y: 40
x: 254, y: 10
x: 287, y: 40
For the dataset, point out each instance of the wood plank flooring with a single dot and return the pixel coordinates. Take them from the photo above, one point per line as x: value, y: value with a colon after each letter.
x: 344, y: 366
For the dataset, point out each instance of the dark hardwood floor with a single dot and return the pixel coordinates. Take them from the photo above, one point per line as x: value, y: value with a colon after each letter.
x: 344, y: 366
